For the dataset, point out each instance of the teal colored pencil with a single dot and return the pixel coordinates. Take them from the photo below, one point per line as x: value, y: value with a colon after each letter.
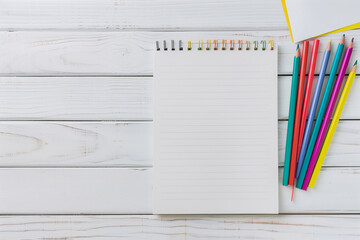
x: 290, y: 128
x: 321, y: 113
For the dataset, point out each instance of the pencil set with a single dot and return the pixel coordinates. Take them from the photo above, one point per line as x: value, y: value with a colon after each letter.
x: 308, y: 140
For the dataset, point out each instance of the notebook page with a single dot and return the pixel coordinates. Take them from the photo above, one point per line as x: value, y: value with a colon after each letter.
x: 215, y: 129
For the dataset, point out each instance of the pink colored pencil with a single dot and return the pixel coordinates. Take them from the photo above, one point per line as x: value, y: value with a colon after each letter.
x: 327, y: 117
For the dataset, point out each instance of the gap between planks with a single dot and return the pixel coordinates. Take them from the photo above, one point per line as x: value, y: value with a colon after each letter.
x: 150, y: 30
x: 179, y: 216
x: 118, y: 75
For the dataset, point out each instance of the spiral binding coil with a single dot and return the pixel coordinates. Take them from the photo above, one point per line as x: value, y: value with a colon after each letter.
x: 214, y: 45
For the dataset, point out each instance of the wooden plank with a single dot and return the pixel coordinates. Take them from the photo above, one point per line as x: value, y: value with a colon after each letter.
x: 104, y: 144
x: 75, y: 190
x: 120, y: 53
x: 129, y: 191
x: 351, y: 109
x: 333, y: 193
x: 71, y: 144
x: 282, y: 227
x: 344, y: 149
x: 106, y: 98
x: 121, y: 14
x: 45, y: 98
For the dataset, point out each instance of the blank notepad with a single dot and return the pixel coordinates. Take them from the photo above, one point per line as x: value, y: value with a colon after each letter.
x: 215, y: 123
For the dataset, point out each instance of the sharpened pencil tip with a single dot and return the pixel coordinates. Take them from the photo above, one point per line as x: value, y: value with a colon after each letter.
x: 297, y: 47
x: 328, y: 47
x: 342, y: 40
x: 330, y: 40
x: 352, y: 39
x: 354, y: 67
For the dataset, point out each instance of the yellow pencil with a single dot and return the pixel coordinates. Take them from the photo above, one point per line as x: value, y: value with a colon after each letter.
x: 333, y: 125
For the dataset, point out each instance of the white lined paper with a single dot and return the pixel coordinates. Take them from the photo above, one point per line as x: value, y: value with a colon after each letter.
x: 215, y: 132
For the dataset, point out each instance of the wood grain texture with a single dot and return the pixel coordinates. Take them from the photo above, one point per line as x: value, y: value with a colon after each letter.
x: 60, y: 98
x: 129, y: 191
x: 107, y: 98
x: 143, y: 14
x: 75, y: 190
x: 344, y: 149
x: 121, y: 144
x: 71, y: 144
x: 122, y: 53
x: 282, y: 227
x: 99, y: 50
x: 351, y: 109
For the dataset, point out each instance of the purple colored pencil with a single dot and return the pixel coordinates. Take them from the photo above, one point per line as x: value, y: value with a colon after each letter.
x: 327, y: 117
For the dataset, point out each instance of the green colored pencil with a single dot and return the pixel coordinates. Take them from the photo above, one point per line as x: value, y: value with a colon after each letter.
x: 290, y: 127
x: 320, y: 116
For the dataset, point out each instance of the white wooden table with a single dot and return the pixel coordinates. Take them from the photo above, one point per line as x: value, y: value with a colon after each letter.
x: 76, y: 123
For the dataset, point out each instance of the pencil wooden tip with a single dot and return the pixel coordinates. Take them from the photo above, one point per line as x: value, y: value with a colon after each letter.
x: 328, y: 47
x: 297, y: 54
x: 354, y: 67
x: 342, y: 41
x: 351, y: 43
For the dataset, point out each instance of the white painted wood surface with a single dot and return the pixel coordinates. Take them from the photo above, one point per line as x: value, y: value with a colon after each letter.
x: 75, y: 191
x: 74, y: 144
x: 47, y: 98
x: 88, y: 60
x: 107, y: 98
x: 134, y: 227
x: 143, y: 14
x: 129, y: 191
x: 124, y: 144
x: 121, y: 53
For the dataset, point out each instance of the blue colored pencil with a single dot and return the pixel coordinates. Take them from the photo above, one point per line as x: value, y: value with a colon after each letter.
x: 322, y: 109
x: 314, y: 103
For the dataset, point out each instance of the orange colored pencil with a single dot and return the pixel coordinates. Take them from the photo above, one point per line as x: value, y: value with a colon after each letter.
x: 306, y: 104
x: 299, y: 102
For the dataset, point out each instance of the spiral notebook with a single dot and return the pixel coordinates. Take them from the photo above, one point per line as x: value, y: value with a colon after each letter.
x: 215, y: 126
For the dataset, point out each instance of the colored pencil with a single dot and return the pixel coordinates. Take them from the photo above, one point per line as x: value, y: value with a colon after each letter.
x: 322, y: 109
x: 333, y: 125
x: 308, y: 89
x: 299, y: 102
x: 328, y: 113
x: 290, y: 127
x: 313, y: 107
